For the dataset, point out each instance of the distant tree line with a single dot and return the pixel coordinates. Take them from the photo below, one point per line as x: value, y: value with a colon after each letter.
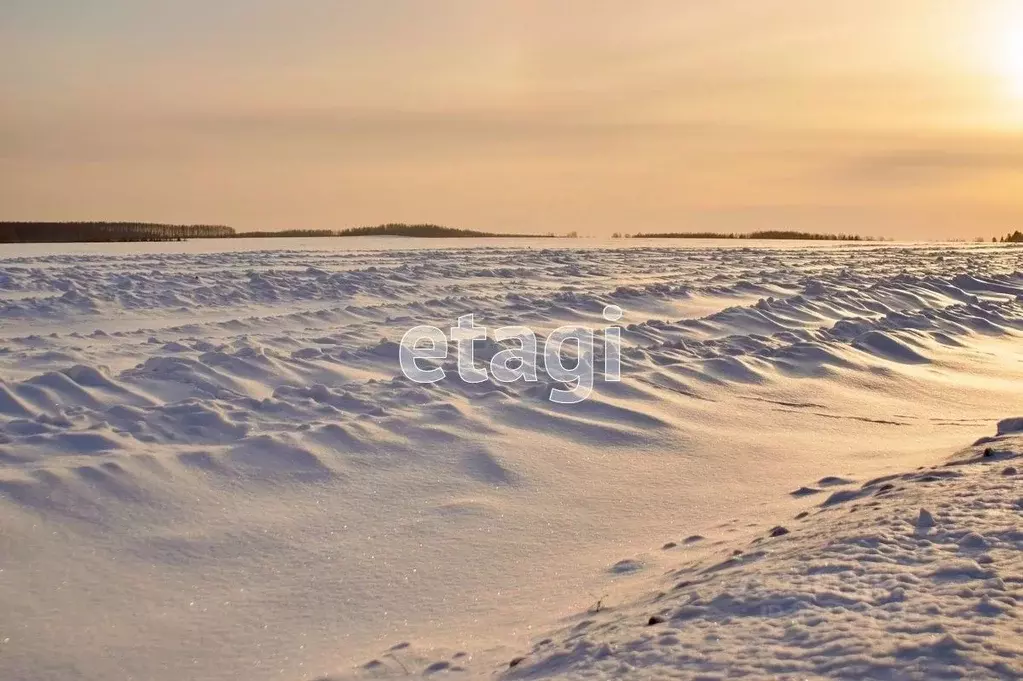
x: 390, y: 229
x: 48, y: 232
x: 285, y: 233
x: 425, y: 230
x: 44, y: 232
x: 1014, y: 238
x: 768, y: 234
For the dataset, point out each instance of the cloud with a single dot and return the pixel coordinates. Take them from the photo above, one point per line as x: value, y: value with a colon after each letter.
x: 954, y: 161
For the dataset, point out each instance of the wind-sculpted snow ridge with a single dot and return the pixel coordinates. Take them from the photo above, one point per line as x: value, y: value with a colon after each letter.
x: 219, y: 453
x: 914, y: 576
x: 189, y: 391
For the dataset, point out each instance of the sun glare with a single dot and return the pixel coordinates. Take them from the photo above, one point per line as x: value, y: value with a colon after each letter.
x: 1011, y: 62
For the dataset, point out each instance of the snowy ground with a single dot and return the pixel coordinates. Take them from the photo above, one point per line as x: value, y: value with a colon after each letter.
x: 211, y: 467
x: 912, y: 576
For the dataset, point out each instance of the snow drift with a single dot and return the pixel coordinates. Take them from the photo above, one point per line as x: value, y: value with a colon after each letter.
x: 212, y: 467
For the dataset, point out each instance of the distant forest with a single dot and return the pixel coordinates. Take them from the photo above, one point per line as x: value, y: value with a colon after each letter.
x: 391, y: 229
x: 769, y: 234
x: 48, y: 232
x: 401, y: 229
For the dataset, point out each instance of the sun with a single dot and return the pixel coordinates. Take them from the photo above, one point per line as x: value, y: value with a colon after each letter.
x: 1011, y: 63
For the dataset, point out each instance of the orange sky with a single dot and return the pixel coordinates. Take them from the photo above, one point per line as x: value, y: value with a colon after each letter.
x: 901, y: 118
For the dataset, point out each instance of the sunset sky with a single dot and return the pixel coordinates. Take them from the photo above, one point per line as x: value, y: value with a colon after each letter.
x: 901, y: 118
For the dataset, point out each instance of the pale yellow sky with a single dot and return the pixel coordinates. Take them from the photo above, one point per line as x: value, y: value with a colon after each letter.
x: 900, y: 118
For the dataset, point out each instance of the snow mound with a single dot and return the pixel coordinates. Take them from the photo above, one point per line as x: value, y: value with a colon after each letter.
x: 1013, y: 425
x: 857, y: 591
